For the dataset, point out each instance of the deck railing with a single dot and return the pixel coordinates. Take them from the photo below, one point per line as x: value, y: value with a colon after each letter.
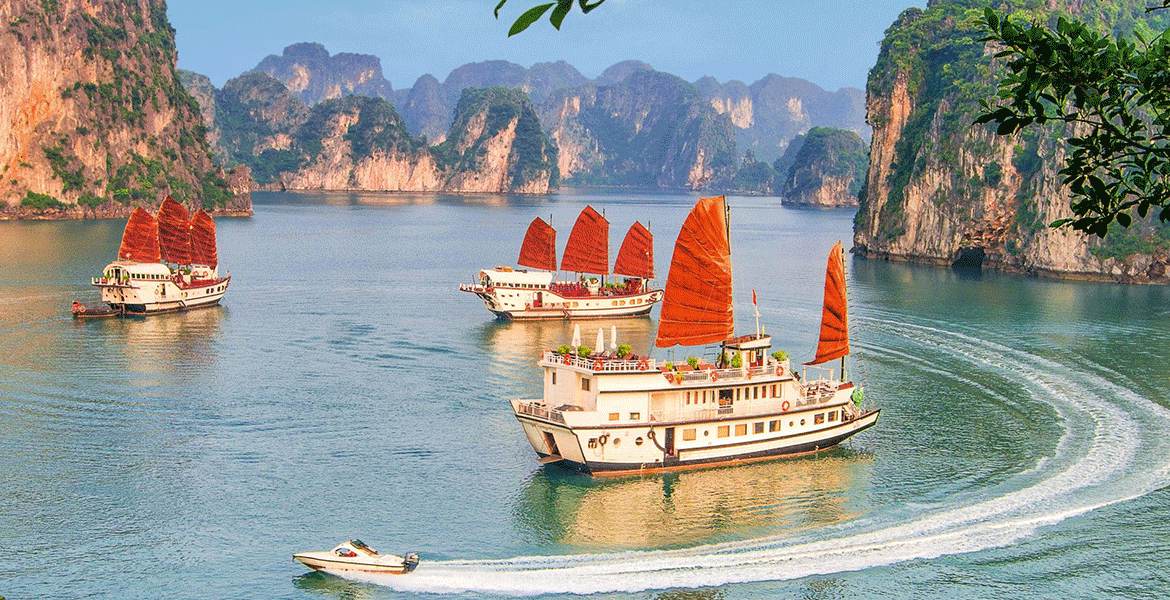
x: 541, y: 411
x: 742, y: 408
x: 600, y: 364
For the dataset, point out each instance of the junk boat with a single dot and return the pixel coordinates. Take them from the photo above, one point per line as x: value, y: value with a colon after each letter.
x: 518, y: 294
x: 610, y: 414
x: 355, y: 555
x: 164, y: 265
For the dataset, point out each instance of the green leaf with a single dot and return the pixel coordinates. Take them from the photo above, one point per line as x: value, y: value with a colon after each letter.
x: 586, y: 6
x: 558, y: 13
x: 992, y: 18
x: 529, y: 17
x: 499, y: 6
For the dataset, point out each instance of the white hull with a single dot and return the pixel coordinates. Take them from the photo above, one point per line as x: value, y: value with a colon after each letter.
x: 160, y: 295
x: 327, y: 561
x: 525, y: 304
x: 635, y: 418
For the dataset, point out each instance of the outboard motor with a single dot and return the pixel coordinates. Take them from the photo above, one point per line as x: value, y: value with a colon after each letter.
x: 410, y: 561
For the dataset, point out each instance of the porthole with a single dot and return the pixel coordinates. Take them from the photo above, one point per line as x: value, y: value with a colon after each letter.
x: 706, y: 433
x: 638, y: 441
x: 802, y: 421
x: 617, y: 441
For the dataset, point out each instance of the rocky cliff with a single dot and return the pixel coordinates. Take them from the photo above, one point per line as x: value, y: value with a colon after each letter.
x: 93, y: 119
x: 941, y: 190
x: 651, y: 129
x: 769, y: 113
x: 828, y: 170
x: 310, y: 72
x: 361, y: 143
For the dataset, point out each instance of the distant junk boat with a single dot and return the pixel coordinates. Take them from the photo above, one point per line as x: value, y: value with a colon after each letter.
x: 164, y: 265
x: 526, y: 295
x: 606, y: 413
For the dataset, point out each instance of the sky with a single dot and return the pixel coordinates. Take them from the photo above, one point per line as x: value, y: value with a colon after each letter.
x: 832, y: 44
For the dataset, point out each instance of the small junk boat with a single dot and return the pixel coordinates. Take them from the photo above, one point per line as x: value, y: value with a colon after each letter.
x: 606, y: 413
x: 355, y: 555
x: 520, y: 294
x: 164, y: 265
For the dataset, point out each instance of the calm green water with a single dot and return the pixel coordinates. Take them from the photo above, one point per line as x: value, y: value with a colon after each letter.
x: 345, y: 389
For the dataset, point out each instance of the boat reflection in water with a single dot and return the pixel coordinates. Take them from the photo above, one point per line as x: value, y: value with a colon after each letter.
x: 330, y: 586
x: 162, y: 343
x: 693, y: 507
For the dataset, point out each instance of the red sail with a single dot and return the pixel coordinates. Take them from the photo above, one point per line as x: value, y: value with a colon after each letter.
x: 203, y: 240
x: 174, y: 232
x: 696, y: 307
x: 834, y: 342
x: 588, y: 247
x: 539, y: 249
x: 140, y: 239
x: 636, y: 258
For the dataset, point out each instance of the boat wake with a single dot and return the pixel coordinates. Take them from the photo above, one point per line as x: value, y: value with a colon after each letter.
x: 1111, y: 449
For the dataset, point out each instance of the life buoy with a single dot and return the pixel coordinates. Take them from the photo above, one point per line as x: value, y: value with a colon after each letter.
x: 567, y: 359
x: 669, y: 377
x: 643, y: 365
x: 784, y: 406
x: 779, y: 370
x: 597, y: 365
x: 714, y: 376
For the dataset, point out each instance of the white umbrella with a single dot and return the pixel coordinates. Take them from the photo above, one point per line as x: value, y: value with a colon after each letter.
x: 600, y: 340
x: 613, y: 337
x: 576, y: 335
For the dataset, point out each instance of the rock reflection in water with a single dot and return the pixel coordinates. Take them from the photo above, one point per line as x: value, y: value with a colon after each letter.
x: 693, y: 507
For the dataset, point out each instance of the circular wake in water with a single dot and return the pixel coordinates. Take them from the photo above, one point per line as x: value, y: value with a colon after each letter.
x: 1111, y: 449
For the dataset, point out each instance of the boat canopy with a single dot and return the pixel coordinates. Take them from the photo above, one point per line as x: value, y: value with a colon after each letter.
x: 834, y: 340
x: 174, y: 232
x: 140, y: 238
x: 636, y: 257
x: 539, y: 249
x: 697, y: 303
x: 588, y: 248
x: 203, y: 250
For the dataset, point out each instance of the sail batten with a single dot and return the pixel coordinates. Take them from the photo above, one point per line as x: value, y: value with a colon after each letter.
x: 834, y: 338
x: 697, y: 304
x: 587, y: 250
x: 140, y: 238
x: 174, y: 232
x: 203, y: 250
x: 539, y: 249
x: 636, y: 256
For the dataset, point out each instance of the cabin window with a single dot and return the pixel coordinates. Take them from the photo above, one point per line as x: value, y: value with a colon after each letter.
x: 832, y: 416
x: 634, y: 416
x: 688, y: 396
x: 758, y: 427
x: 818, y: 418
x: 585, y: 384
x: 756, y: 393
x: 615, y: 416
x: 737, y: 393
x: 724, y: 397
x: 724, y: 431
x: 774, y: 425
x: 554, y: 377
x: 774, y: 390
x: 741, y: 429
x: 689, y: 435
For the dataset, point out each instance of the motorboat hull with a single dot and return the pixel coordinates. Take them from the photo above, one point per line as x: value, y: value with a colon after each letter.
x: 326, y: 561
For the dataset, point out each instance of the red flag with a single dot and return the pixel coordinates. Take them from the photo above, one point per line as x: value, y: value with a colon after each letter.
x: 754, y: 297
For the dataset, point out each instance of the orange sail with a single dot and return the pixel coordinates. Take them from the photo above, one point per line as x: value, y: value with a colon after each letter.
x: 174, y: 232
x: 696, y: 307
x: 834, y: 342
x: 203, y: 240
x: 588, y: 248
x: 636, y: 258
x: 140, y: 238
x: 539, y: 249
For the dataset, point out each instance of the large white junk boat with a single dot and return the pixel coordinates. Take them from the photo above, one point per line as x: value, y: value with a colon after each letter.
x: 519, y: 294
x: 166, y: 265
x: 605, y: 413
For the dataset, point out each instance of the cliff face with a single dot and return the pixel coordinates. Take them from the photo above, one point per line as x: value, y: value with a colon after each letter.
x: 93, y: 119
x: 649, y: 130
x: 828, y: 170
x: 769, y: 113
x: 939, y: 188
x: 309, y: 72
x: 361, y: 143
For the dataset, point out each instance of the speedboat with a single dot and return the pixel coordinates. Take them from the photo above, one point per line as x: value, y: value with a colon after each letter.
x: 355, y: 555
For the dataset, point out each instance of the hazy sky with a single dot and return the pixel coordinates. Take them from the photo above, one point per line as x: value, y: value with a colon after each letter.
x: 832, y: 44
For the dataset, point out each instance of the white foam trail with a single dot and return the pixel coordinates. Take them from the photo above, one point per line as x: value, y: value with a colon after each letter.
x: 1111, y: 450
